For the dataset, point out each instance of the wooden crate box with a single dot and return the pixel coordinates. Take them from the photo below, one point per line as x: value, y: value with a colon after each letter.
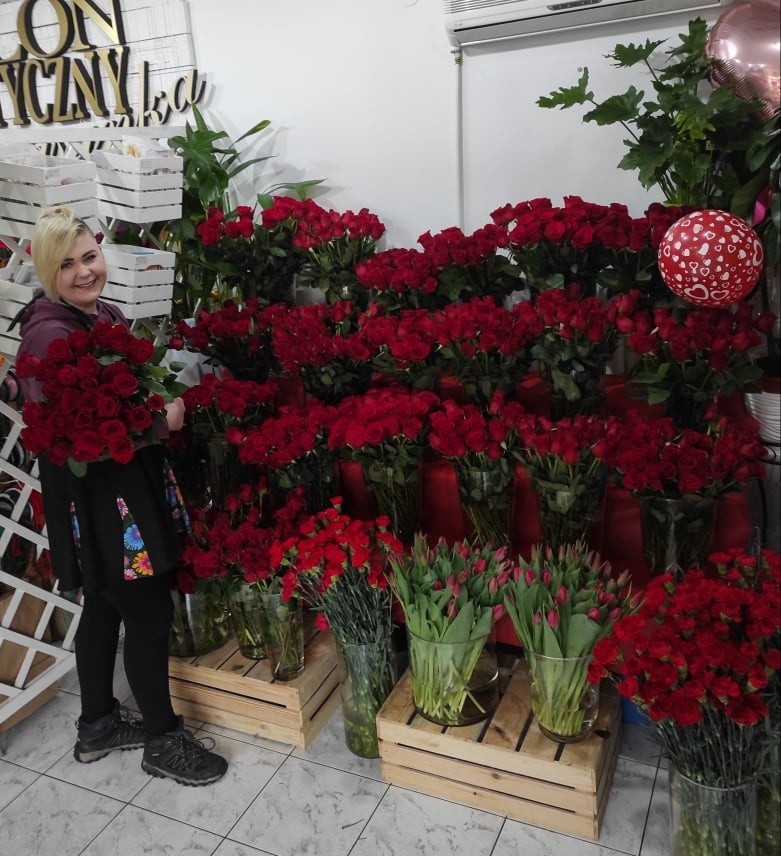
x: 138, y: 189
x: 224, y: 688
x: 140, y: 280
x: 505, y: 764
x: 31, y: 182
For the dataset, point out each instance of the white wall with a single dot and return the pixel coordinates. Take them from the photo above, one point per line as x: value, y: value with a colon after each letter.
x: 364, y: 93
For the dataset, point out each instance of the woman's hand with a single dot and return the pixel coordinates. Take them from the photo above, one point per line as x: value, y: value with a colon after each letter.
x: 174, y: 414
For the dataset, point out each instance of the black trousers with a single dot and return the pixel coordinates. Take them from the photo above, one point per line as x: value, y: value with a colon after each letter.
x: 146, y: 608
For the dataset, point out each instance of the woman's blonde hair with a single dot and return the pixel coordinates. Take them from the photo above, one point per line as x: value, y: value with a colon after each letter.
x: 55, y: 231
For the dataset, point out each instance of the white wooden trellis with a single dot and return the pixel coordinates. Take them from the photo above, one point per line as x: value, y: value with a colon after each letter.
x: 119, y: 204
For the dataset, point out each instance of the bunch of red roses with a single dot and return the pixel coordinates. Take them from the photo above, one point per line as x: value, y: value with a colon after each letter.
x: 332, y: 245
x: 400, y: 278
x: 487, y: 347
x: 651, y: 456
x: 319, y: 343
x: 698, y: 657
x: 473, y: 265
x: 235, y: 544
x: 475, y: 442
x: 101, y: 391
x: 257, y: 260
x: 583, y: 242
x: 385, y: 430
x: 292, y: 446
x: 402, y: 344
x: 692, y: 353
x: 236, y: 336
x: 216, y: 405
x: 578, y: 338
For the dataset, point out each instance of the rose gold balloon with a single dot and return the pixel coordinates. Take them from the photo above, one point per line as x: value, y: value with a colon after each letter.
x: 744, y: 46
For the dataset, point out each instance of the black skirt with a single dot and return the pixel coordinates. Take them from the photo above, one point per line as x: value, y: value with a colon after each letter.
x: 99, y: 559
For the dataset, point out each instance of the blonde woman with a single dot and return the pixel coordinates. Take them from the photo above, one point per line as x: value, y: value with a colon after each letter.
x: 113, y: 532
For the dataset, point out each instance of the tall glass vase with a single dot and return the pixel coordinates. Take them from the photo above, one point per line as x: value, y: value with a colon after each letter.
x: 565, y: 704
x: 201, y: 621
x: 567, y: 512
x: 224, y: 471
x: 677, y: 532
x: 283, y: 632
x: 707, y: 821
x: 453, y: 683
x: 246, y: 612
x: 486, y: 499
x: 369, y: 676
x: 397, y: 493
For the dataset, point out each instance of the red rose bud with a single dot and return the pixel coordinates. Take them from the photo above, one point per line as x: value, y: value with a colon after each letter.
x: 593, y: 613
x: 529, y: 577
x: 562, y: 594
x: 553, y: 619
x: 538, y: 617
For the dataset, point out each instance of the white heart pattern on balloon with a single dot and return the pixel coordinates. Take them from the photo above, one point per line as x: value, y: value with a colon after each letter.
x: 710, y: 258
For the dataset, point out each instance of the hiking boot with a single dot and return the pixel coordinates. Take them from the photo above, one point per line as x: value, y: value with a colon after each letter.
x: 115, y: 730
x: 181, y: 756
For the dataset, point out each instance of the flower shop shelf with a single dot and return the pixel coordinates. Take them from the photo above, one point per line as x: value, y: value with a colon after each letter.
x: 504, y: 764
x: 225, y: 688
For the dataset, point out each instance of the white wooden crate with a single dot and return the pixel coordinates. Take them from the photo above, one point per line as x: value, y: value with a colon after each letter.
x: 13, y: 296
x: 140, y: 280
x: 31, y: 182
x: 138, y: 189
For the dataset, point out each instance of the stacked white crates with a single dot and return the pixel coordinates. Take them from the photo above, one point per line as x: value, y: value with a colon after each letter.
x: 30, y: 182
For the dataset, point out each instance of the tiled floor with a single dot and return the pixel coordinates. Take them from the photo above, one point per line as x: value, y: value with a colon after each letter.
x: 281, y: 800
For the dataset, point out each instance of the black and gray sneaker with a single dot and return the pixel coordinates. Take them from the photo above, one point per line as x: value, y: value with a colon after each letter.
x: 181, y: 756
x: 115, y: 730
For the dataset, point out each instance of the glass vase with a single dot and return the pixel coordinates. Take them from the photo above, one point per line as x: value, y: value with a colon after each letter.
x: 201, y: 621
x: 282, y: 625
x: 246, y: 612
x: 567, y: 512
x: 397, y: 494
x: 224, y: 471
x: 486, y: 499
x: 708, y: 821
x: 677, y: 533
x: 453, y: 683
x: 769, y: 797
x: 369, y: 676
x: 574, y: 391
x: 564, y: 703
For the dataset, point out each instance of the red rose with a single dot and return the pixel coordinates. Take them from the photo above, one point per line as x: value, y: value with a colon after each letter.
x: 121, y: 450
x: 124, y: 384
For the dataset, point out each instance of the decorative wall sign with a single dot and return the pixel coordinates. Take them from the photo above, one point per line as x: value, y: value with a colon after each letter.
x: 126, y: 62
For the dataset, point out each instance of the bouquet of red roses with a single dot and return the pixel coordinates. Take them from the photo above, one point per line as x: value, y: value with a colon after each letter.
x: 101, y: 391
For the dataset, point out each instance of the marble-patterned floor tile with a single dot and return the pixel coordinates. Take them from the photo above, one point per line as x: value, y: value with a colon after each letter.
x: 407, y: 822
x: 53, y: 818
x: 656, y: 841
x: 637, y: 744
x: 309, y: 810
x: 254, y: 739
x: 233, y: 848
x: 627, y: 807
x: 118, y: 774
x: 45, y: 736
x: 518, y: 838
x: 215, y: 807
x: 329, y: 748
x: 13, y: 780
x: 152, y: 835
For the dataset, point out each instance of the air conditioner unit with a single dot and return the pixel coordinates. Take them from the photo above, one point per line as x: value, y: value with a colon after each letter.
x: 476, y: 21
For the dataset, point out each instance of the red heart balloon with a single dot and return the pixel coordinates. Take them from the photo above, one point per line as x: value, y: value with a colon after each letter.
x: 710, y: 258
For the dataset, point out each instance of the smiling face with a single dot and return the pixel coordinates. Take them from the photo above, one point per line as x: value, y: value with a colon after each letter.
x: 82, y: 274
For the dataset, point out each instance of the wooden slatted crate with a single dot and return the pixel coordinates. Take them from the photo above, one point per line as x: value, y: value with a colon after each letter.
x: 224, y: 688
x: 504, y: 764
